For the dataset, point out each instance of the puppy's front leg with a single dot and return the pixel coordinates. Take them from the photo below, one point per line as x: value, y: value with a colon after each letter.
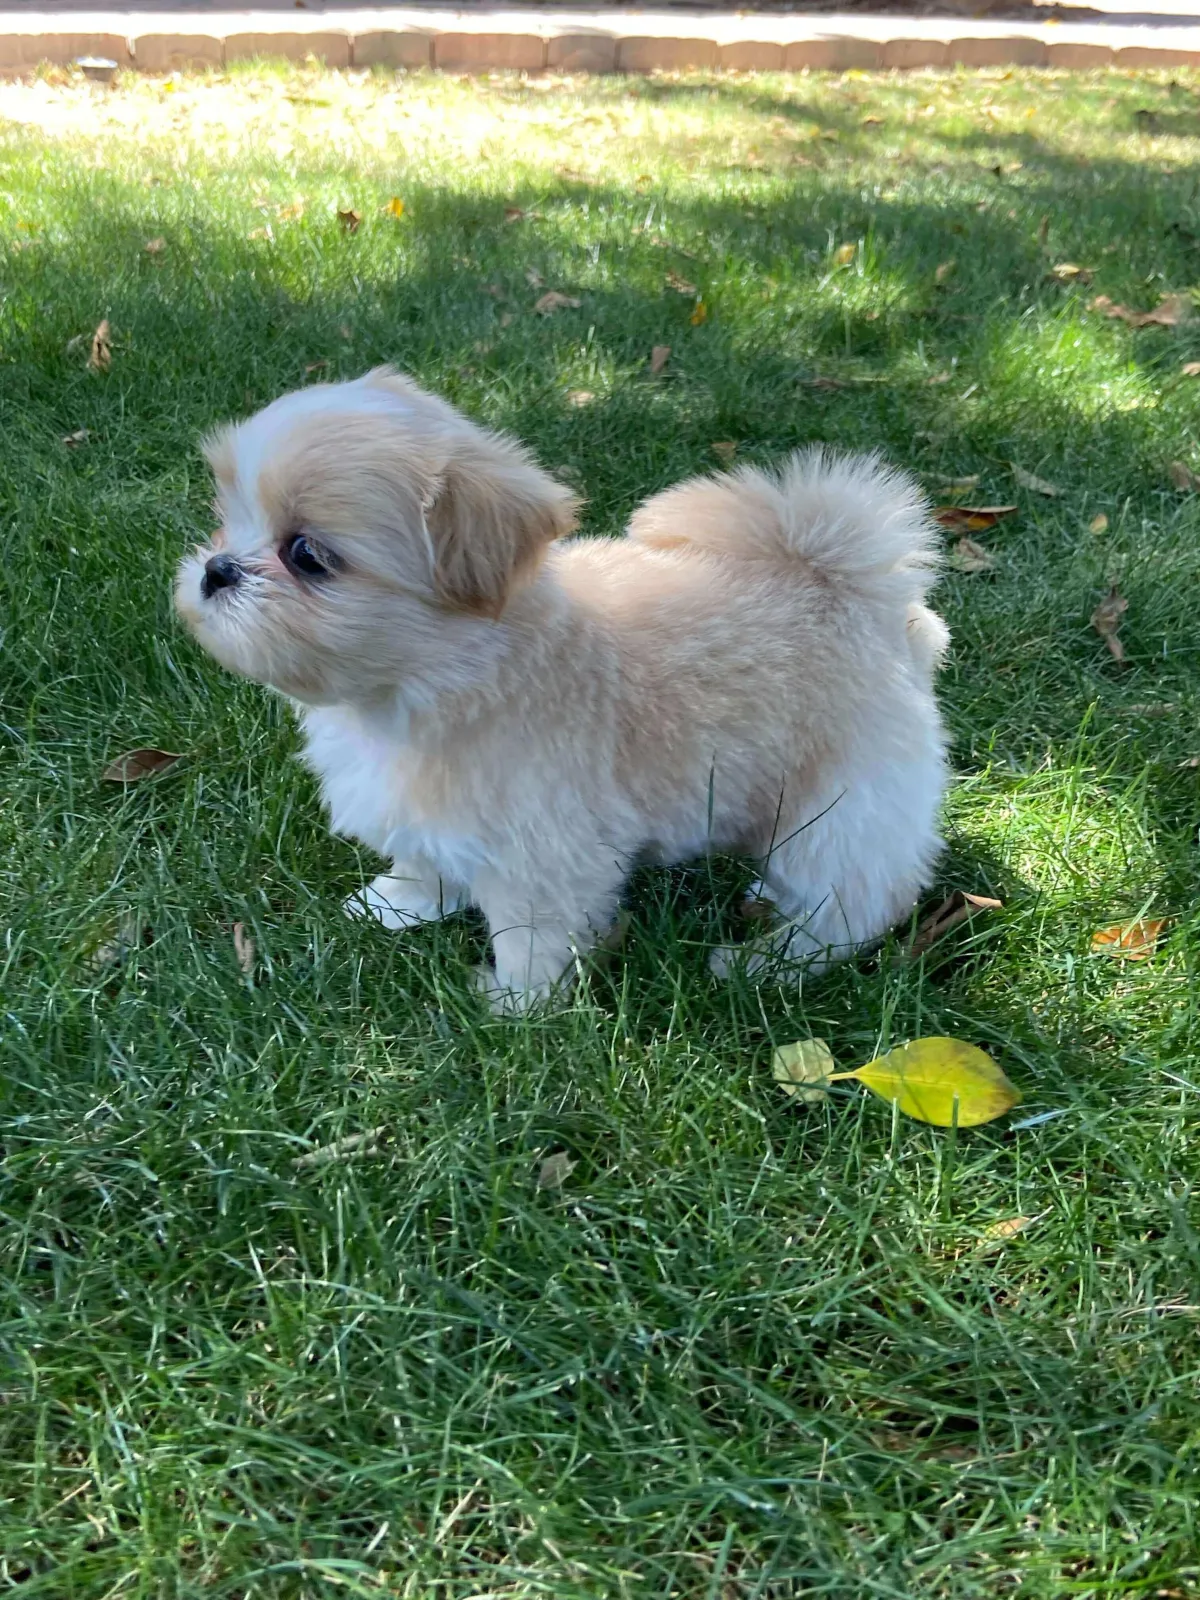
x: 537, y: 938
x: 410, y: 894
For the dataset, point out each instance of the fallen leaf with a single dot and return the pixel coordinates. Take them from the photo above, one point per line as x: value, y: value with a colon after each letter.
x: 507, y: 318
x: 844, y: 254
x: 871, y: 122
x: 724, y: 450
x: 802, y: 1069
x: 349, y: 219
x: 659, y: 357
x: 513, y: 213
x: 938, y: 377
x: 578, y: 398
x: 354, y: 1144
x: 1190, y: 369
x: 997, y: 1233
x: 960, y: 483
x: 100, y: 358
x: 315, y: 366
x: 1068, y: 272
x: 243, y: 948
x: 680, y: 285
x: 699, y: 314
x: 971, y: 519
x: 942, y: 1081
x: 1029, y: 480
x: 1106, y: 619
x: 1153, y: 708
x: 955, y: 908
x: 1131, y: 941
x: 129, y: 935
x: 80, y: 436
x: 944, y: 270
x: 292, y: 212
x: 552, y: 301
x: 1170, y: 311
x: 135, y: 765
x: 555, y: 1170
x: 395, y: 206
x: 1043, y: 232
x: 1182, y: 476
x: 1098, y: 524
x: 532, y: 277
x: 261, y: 233
x: 967, y: 556
x: 154, y: 247
x: 823, y: 383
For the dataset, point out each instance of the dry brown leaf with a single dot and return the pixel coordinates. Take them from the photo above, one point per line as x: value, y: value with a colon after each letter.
x: 1106, y: 619
x: 135, y: 765
x: 724, y: 450
x: 844, y: 254
x: 154, y: 247
x: 1152, y: 708
x: 1029, y: 480
x: 823, y: 383
x: 1190, y: 369
x: 659, y: 357
x: 1099, y: 523
x: 1130, y: 941
x: 80, y: 436
x: 292, y: 212
x: 699, y: 314
x: 1182, y: 476
x: 315, y: 366
x: 967, y: 556
x: 1170, y: 311
x: 998, y: 1233
x: 513, y: 213
x: 100, y: 358
x: 555, y: 1170
x: 1068, y: 272
x: 578, y: 398
x: 129, y: 935
x: 243, y: 949
x: 264, y: 232
x: 553, y: 301
x: 945, y: 268
x: 349, y: 219
x: 960, y: 483
x: 354, y: 1144
x: 955, y: 908
x: 938, y: 377
x: 971, y: 519
x: 871, y: 122
x: 680, y: 285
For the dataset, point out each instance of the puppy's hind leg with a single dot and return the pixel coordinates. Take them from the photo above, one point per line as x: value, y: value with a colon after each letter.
x: 411, y: 893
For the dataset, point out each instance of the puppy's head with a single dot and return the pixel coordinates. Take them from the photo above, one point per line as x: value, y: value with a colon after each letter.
x: 358, y: 519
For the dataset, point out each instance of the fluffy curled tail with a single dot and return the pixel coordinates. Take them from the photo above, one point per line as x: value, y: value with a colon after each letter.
x: 851, y: 522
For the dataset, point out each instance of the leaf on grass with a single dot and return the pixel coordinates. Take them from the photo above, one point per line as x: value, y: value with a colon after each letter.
x: 315, y: 366
x: 1068, y: 272
x: 680, y: 285
x: 100, y: 358
x: 349, y: 219
x: 971, y: 519
x: 659, y: 357
x: 802, y: 1069
x: 513, y: 213
x: 243, y: 949
x: 354, y: 1144
x: 555, y: 1170
x: 1098, y: 524
x: 699, y: 314
x: 998, y: 1233
x: 942, y: 1081
x: 1170, y: 311
x: 1029, y: 480
x: 1182, y: 476
x: 1190, y: 369
x: 154, y: 247
x: 578, y: 398
x: 824, y: 383
x: 724, y: 450
x: 1106, y: 619
x: 395, y: 206
x: 135, y: 765
x: 80, y: 436
x: 129, y: 935
x: 967, y: 556
x: 944, y: 269
x: 553, y: 301
x: 292, y: 212
x: 971, y: 482
x: 1131, y: 941
x: 871, y: 122
x: 954, y: 909
x: 264, y: 232
x: 844, y: 254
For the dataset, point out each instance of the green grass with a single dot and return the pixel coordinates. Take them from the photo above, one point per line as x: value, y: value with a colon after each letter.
x: 748, y: 1349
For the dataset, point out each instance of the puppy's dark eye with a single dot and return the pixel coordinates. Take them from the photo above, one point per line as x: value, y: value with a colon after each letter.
x: 300, y: 556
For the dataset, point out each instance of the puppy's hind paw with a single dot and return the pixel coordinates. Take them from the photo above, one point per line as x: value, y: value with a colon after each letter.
x: 507, y: 1002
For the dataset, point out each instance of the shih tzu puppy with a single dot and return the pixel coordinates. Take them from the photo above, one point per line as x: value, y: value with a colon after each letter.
x: 515, y: 722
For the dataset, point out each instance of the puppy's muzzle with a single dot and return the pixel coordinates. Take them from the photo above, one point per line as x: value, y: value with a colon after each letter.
x: 220, y: 572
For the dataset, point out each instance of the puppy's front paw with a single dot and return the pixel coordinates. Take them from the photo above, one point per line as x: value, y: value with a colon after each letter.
x: 393, y: 903
x: 507, y: 1002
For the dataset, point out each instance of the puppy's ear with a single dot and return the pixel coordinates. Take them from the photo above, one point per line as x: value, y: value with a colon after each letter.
x: 490, y: 515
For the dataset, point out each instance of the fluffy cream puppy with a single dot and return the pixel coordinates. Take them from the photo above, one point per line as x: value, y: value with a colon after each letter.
x: 514, y: 722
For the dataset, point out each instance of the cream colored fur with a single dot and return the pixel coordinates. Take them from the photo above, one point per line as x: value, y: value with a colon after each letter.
x: 515, y: 722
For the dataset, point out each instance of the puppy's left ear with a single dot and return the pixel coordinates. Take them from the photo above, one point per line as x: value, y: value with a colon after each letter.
x: 490, y: 516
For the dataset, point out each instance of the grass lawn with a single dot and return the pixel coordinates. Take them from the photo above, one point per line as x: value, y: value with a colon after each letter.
x: 746, y: 1348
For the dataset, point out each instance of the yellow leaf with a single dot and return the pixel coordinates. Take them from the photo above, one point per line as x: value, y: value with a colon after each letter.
x: 942, y: 1081
x: 395, y: 207
x: 998, y: 1232
x: 844, y: 254
x: 699, y: 315
x: 1131, y: 941
x: 1098, y: 524
x: 807, y: 1062
x: 725, y: 451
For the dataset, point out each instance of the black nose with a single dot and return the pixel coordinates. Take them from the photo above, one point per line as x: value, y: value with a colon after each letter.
x: 220, y: 572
